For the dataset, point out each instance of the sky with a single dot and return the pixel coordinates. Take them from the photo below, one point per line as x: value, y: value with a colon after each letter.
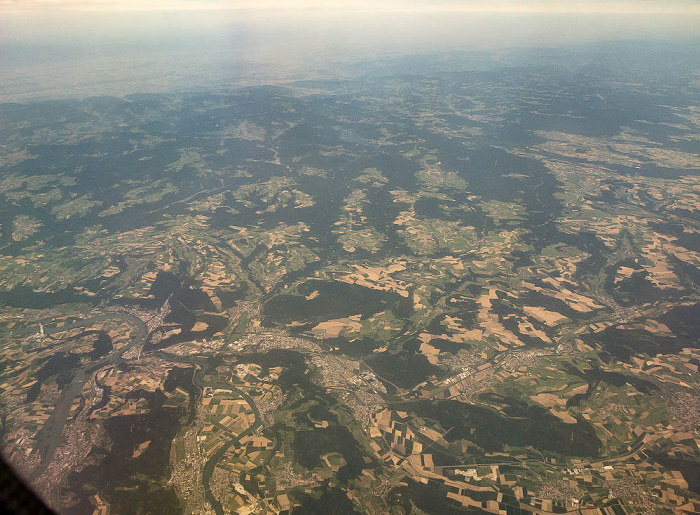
x: 545, y: 6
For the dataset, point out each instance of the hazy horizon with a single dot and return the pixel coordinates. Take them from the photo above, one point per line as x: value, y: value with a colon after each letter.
x: 68, y: 49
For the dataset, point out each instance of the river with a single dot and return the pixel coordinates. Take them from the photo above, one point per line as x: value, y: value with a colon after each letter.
x: 49, y: 437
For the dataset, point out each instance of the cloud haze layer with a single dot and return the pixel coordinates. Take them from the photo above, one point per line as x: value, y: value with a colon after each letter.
x: 83, y: 47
